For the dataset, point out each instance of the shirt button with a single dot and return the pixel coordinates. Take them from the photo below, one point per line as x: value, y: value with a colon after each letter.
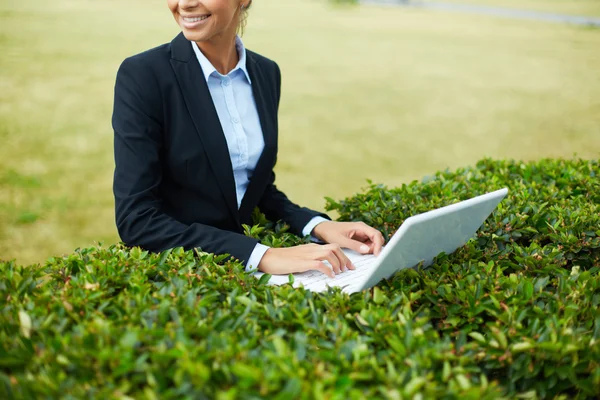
x: 236, y: 121
x: 226, y: 83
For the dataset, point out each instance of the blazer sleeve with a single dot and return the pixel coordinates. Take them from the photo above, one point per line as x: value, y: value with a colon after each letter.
x: 274, y: 203
x: 138, y: 147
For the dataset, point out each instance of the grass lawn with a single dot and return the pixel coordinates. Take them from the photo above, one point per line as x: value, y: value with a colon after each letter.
x: 588, y: 8
x: 370, y: 92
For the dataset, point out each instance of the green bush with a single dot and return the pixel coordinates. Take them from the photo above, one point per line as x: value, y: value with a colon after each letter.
x: 515, y: 312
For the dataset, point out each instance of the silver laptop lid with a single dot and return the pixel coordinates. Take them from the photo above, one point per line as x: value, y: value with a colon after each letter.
x: 424, y: 236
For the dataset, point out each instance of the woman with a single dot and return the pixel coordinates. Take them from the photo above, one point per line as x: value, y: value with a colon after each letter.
x: 195, y: 126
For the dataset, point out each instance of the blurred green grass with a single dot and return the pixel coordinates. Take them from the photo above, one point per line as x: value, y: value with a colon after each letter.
x: 368, y: 93
x: 588, y: 8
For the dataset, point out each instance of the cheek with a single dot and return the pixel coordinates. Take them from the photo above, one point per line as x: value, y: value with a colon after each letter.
x: 173, y: 5
x: 223, y: 8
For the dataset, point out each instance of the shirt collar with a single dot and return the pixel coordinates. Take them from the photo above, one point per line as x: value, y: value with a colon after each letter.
x: 208, y: 69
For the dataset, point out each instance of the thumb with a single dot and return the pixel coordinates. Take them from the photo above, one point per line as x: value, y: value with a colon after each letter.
x: 355, y: 245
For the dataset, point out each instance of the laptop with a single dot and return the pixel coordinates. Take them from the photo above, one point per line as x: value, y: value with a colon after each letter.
x: 417, y: 242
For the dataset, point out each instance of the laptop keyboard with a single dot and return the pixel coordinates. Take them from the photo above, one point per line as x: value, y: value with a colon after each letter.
x: 350, y: 280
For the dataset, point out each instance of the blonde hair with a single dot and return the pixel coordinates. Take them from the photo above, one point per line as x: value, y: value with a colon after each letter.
x: 243, y: 18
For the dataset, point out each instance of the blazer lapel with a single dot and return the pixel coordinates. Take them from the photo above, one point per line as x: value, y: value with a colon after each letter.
x: 204, y: 116
x: 267, y: 113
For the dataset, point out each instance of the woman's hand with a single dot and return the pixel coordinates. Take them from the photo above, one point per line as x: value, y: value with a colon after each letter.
x: 304, y: 258
x: 356, y: 236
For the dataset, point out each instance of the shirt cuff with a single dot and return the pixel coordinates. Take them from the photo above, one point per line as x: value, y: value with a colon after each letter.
x: 255, y: 257
x: 308, y: 228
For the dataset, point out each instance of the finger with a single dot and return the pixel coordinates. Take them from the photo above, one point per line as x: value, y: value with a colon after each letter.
x: 375, y: 237
x: 358, y: 234
x: 375, y: 245
x: 352, y: 244
x: 344, y: 259
x: 330, y: 256
x: 319, y: 266
x: 362, y: 238
x: 342, y: 256
x: 363, y: 235
x: 378, y: 242
x: 349, y: 244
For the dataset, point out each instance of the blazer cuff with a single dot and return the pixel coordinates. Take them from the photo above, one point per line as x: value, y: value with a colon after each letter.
x: 255, y: 257
x: 308, y: 228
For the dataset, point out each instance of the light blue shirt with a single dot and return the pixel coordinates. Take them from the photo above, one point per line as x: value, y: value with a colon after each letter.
x: 236, y: 108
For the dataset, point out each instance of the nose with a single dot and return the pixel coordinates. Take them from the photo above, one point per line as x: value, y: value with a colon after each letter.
x: 188, y: 4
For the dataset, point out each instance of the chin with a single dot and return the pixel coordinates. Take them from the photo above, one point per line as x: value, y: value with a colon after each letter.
x: 194, y: 36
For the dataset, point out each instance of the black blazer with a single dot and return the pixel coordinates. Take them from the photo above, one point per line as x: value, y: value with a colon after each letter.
x: 173, y: 181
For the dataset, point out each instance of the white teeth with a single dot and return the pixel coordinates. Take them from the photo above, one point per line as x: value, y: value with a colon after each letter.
x: 188, y: 19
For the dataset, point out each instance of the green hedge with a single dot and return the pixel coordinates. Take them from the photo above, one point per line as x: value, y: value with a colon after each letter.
x: 513, y: 313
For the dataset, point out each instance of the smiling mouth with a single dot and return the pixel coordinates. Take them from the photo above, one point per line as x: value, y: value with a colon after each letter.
x: 195, y: 19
